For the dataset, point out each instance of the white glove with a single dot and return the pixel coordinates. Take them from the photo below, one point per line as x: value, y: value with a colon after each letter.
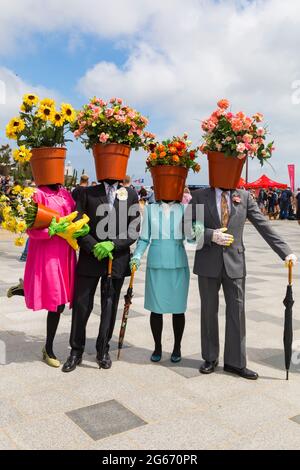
x: 293, y: 258
x: 221, y: 238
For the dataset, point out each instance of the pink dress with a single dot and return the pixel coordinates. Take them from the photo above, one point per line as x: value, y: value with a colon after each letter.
x: 50, y: 266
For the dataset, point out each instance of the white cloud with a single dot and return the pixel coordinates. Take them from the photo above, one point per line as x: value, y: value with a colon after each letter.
x: 13, y: 88
x: 19, y: 20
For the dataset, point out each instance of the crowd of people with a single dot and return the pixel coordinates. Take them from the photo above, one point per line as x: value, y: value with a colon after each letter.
x: 278, y: 204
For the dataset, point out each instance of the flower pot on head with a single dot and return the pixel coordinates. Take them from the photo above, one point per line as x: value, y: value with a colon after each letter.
x: 111, y: 161
x: 48, y: 165
x: 169, y: 182
x: 44, y: 217
x: 224, y: 172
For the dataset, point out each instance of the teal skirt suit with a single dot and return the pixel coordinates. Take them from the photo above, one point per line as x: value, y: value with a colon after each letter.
x: 167, y: 272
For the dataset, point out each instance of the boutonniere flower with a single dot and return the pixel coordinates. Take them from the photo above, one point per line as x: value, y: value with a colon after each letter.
x: 122, y: 194
x: 236, y: 199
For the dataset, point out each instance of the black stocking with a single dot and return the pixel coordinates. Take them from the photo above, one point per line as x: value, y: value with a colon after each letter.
x: 156, y: 323
x: 178, y: 327
x: 52, y: 324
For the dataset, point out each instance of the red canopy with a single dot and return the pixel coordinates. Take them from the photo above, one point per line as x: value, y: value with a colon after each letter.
x: 265, y: 182
x: 242, y: 183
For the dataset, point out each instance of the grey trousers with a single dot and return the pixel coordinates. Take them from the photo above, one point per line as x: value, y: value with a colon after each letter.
x: 235, y: 332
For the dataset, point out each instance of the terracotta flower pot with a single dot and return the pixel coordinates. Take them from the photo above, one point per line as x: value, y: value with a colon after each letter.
x: 48, y: 165
x: 44, y: 217
x: 224, y: 172
x: 169, y: 182
x: 111, y: 161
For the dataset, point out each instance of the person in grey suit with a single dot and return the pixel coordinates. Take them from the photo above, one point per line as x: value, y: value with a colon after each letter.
x: 221, y: 262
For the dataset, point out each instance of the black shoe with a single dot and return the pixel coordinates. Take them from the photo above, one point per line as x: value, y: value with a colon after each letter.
x: 71, y: 363
x: 105, y: 362
x: 16, y: 290
x: 245, y: 373
x: 208, y: 367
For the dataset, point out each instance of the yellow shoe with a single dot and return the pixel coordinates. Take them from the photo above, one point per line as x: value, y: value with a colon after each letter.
x: 49, y: 360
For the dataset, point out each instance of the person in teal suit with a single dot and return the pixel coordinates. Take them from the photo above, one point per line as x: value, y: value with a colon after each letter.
x: 167, y: 273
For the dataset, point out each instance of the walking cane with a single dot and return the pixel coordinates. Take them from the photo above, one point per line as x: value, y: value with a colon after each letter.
x: 128, y: 302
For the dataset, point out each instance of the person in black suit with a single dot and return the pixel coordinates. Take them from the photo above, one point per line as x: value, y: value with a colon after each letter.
x: 114, y: 226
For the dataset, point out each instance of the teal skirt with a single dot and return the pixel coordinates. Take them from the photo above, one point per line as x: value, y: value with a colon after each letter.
x: 166, y: 290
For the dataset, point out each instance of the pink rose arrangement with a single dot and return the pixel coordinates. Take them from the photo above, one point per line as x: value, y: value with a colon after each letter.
x: 236, y: 135
x: 110, y: 122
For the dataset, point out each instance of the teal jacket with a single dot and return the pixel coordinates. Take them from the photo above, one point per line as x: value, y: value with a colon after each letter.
x: 163, y: 233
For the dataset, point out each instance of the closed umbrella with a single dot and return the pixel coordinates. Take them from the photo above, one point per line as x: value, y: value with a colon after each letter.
x: 288, y: 323
x: 128, y: 302
x: 106, y: 314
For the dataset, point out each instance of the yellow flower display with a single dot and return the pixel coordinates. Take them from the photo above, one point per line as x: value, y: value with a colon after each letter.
x: 6, y: 211
x: 47, y: 102
x: 28, y: 192
x: 14, y: 127
x: 30, y: 99
x: 17, y: 189
x: 45, y: 113
x: 68, y: 112
x: 21, y: 209
x: 39, y: 124
x: 10, y: 133
x: 9, y: 224
x: 21, y: 226
x: 58, y: 119
x: 22, y: 154
x: 20, y: 241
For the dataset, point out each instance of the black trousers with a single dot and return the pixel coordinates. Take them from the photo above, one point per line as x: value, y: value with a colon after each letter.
x: 85, y: 288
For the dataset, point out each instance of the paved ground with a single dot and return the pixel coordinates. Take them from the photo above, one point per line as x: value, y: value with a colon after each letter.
x: 139, y: 405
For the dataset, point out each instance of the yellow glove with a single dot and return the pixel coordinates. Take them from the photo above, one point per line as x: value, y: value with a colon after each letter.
x: 74, y: 227
x: 69, y: 218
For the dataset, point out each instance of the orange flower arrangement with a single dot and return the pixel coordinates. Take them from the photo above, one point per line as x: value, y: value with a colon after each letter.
x: 176, y: 152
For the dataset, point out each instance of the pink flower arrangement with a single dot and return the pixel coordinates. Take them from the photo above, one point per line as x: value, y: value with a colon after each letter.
x: 236, y: 135
x: 111, y: 122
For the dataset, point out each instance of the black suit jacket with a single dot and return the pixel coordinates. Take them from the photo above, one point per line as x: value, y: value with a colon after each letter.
x: 89, y: 201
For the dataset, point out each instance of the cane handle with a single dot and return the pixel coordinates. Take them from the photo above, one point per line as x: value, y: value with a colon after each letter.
x: 132, y: 276
x: 110, y: 262
x: 290, y: 272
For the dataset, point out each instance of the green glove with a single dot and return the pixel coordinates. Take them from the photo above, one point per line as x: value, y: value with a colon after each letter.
x: 134, y: 262
x: 82, y: 232
x: 103, y: 250
x: 57, y: 227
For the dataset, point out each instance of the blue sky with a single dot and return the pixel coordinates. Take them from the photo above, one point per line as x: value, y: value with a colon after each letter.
x: 171, y: 60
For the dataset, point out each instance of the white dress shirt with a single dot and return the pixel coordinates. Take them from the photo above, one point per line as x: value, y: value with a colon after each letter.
x: 219, y: 198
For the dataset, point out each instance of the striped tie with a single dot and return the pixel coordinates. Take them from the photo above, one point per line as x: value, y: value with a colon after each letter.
x: 111, y: 196
x: 224, y: 210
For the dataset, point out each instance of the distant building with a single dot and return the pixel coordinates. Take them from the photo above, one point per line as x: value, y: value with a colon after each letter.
x: 68, y: 169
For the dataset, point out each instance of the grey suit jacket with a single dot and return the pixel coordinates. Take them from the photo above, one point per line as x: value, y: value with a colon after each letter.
x: 210, y: 259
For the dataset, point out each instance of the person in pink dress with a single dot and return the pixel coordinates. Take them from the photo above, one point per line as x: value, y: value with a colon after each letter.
x: 50, y: 267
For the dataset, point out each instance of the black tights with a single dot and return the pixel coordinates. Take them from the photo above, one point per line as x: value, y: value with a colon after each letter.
x: 156, y: 322
x: 52, y: 324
